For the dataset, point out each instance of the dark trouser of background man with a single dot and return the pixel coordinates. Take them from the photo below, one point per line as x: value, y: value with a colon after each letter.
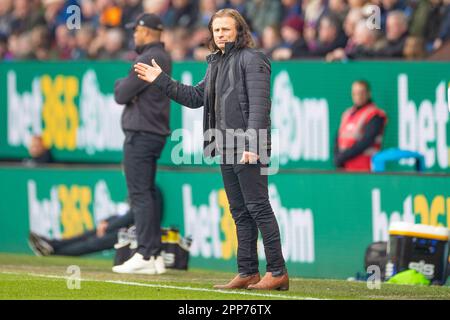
x: 141, y: 151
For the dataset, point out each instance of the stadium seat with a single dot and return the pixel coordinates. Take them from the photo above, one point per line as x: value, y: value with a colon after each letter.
x: 395, y: 154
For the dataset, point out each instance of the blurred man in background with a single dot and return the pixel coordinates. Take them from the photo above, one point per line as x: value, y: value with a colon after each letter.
x: 145, y: 122
x: 396, y: 34
x: 360, y: 132
x: 38, y: 152
x: 102, y: 238
x: 364, y: 42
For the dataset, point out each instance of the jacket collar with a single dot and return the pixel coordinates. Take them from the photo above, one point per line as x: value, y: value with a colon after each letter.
x: 145, y: 47
x: 213, y: 56
x: 229, y: 48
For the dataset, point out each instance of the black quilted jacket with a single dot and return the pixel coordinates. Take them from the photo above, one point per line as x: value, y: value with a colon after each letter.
x: 236, y: 95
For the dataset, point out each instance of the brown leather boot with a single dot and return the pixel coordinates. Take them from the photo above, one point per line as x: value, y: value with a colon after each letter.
x: 269, y: 282
x: 240, y: 282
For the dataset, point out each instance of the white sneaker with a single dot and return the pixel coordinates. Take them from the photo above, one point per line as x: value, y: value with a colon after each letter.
x: 160, y: 266
x: 136, y: 264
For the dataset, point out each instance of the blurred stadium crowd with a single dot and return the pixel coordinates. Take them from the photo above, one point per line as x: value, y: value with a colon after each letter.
x: 284, y: 29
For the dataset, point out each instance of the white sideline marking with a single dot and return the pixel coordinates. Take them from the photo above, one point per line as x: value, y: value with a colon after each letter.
x: 163, y: 286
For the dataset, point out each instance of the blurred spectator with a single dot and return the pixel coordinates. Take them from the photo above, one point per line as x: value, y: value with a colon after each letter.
x: 353, y: 17
x: 423, y: 10
x: 65, y: 42
x: 263, y: 13
x: 29, y: 29
x: 11, y: 47
x: 25, y: 16
x: 339, y: 8
x: 182, y: 13
x: 20, y: 46
x: 293, y: 42
x: 83, y: 39
x: 131, y: 9
x: 271, y: 40
x: 365, y: 41
x: 158, y: 7
x: 3, y: 47
x: 89, y: 13
x: 207, y: 9
x: 38, y: 152
x: 238, y: 5
x: 391, y: 5
x: 198, y: 44
x: 110, y: 13
x: 359, y: 4
x: 113, y: 45
x: 331, y: 37
x: 396, y: 33
x: 290, y: 8
x: 388, y: 6
x: 444, y: 29
x: 176, y: 43
x: 41, y: 42
x: 414, y: 48
x: 313, y: 11
x: 360, y: 132
x: 310, y: 34
x: 6, y: 17
x: 98, y: 42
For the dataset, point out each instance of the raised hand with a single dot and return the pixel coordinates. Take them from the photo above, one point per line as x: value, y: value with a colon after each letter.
x: 146, y: 72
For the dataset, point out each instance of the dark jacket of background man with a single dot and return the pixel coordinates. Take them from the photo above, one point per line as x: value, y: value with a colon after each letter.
x: 146, y: 108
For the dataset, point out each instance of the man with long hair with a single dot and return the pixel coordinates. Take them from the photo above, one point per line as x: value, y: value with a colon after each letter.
x: 235, y: 93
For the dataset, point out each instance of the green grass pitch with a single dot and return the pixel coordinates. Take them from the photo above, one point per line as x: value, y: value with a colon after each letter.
x: 30, y: 277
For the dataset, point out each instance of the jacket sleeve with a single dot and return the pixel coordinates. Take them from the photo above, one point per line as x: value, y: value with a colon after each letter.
x: 337, y: 159
x: 126, y: 89
x: 257, y: 83
x: 189, y: 96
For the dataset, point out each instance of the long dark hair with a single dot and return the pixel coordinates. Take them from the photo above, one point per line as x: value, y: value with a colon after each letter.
x: 244, y: 37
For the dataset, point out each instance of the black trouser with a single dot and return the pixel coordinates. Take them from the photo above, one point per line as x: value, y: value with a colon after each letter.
x: 247, y: 192
x: 88, y: 242
x: 141, y: 151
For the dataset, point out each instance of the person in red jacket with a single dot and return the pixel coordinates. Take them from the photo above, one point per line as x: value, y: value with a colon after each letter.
x: 360, y: 132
